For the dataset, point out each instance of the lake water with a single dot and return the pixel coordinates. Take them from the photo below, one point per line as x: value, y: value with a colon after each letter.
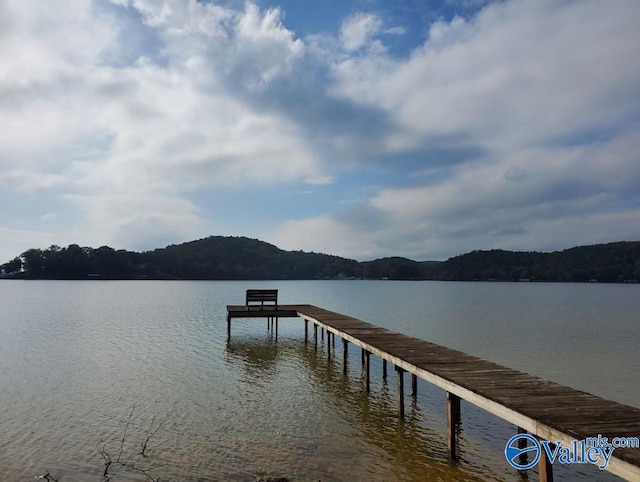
x: 80, y: 359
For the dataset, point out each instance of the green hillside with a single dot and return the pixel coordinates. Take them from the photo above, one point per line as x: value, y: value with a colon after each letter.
x: 235, y: 258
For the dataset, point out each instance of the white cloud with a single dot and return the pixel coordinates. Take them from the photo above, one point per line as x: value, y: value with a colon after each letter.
x: 319, y: 180
x: 16, y: 241
x: 395, y: 30
x: 126, y: 109
x: 546, y: 93
x: 30, y: 182
x: 48, y: 216
x: 141, y: 219
x: 519, y: 72
x: 322, y: 234
x: 537, y: 198
x: 357, y: 31
x: 124, y: 142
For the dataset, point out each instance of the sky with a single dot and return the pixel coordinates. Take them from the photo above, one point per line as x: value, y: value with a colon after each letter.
x: 361, y: 128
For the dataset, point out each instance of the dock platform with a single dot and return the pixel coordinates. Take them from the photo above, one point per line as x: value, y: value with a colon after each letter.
x: 547, y: 410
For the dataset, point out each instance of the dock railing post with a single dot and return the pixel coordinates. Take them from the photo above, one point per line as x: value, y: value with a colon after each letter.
x: 453, y: 420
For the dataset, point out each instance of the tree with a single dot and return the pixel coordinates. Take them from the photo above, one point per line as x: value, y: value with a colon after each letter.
x: 13, y: 266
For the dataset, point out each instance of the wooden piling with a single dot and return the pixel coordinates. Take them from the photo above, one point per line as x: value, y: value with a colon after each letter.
x: 453, y: 420
x: 345, y: 355
x: 400, y: 377
x: 530, y: 404
x: 523, y: 458
x: 384, y: 369
x: 545, y: 469
x: 414, y: 385
x: 306, y: 331
x: 315, y: 337
x: 367, y: 375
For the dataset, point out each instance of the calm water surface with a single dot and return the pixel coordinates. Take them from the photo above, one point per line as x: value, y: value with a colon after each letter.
x: 80, y: 359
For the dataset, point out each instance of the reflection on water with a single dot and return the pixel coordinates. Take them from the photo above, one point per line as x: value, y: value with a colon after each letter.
x: 258, y: 357
x: 415, y: 448
x: 75, y: 357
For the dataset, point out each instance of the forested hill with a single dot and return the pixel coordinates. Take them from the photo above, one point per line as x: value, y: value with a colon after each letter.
x: 218, y: 257
x: 610, y: 263
x: 211, y: 258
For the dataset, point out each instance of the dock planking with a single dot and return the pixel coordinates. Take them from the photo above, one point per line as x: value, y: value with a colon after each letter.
x: 543, y: 408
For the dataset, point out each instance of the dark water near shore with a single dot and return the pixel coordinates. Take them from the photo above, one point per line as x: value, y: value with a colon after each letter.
x: 76, y: 357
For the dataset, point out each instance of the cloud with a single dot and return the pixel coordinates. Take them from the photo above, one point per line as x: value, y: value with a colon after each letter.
x: 136, y: 219
x: 548, y: 96
x: 507, y: 126
x: 124, y: 134
x: 357, y: 31
x: 321, y: 232
x: 492, y: 79
x: 395, y: 31
x: 15, y: 241
x: 48, y: 216
x: 30, y: 182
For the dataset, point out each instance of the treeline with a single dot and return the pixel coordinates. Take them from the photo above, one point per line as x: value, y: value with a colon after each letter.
x: 236, y: 258
x: 607, y: 263
x: 212, y: 258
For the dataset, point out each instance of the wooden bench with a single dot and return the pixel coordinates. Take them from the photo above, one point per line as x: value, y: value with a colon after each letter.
x: 262, y: 296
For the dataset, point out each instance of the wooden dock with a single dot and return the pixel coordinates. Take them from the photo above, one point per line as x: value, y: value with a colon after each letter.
x: 542, y: 408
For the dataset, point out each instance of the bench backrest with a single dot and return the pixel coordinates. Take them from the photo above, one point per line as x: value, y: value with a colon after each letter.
x: 262, y: 297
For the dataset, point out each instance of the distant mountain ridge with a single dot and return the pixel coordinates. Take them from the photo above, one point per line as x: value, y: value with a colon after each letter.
x: 241, y: 258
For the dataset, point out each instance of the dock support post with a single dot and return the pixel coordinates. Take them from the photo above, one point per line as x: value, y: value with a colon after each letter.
x: 367, y: 376
x: 414, y: 385
x: 276, y: 322
x: 453, y: 420
x: 328, y: 345
x: 315, y: 337
x: 545, y: 469
x: 322, y: 333
x: 400, y: 373
x: 384, y: 369
x: 306, y: 331
x: 523, y: 458
x: 228, y: 326
x: 362, y: 356
x: 345, y: 355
